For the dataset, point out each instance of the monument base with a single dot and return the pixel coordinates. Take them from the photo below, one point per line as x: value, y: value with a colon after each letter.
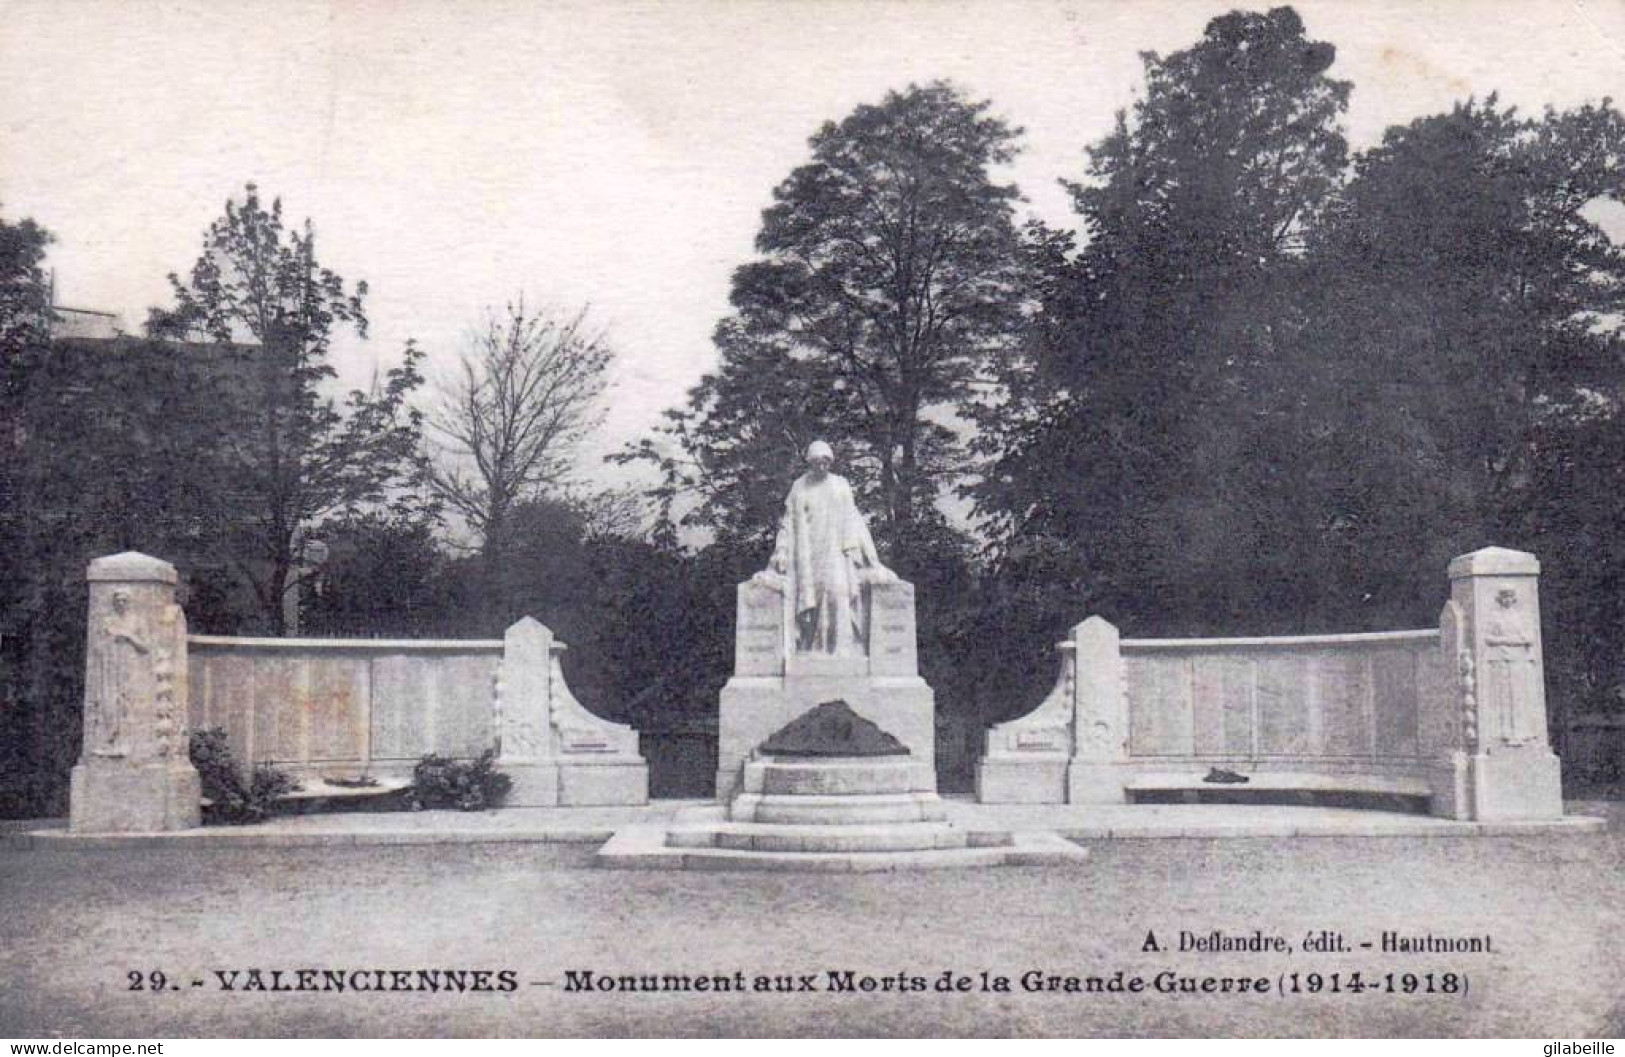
x: 1452, y: 783
x: 1051, y: 779
x: 754, y: 707
x: 577, y: 784
x: 600, y: 785
x: 1095, y: 782
x: 829, y: 813
x: 1521, y: 783
x: 115, y: 797
x: 534, y: 784
x: 1031, y: 780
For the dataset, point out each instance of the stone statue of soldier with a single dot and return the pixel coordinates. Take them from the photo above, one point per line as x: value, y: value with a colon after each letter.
x: 824, y: 622
x: 823, y: 557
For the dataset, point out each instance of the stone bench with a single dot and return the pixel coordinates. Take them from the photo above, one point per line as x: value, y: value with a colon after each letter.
x: 1281, y: 782
x: 321, y: 789
x: 311, y: 789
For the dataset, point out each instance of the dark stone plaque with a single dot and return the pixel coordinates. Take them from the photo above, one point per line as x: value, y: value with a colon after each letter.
x: 832, y: 729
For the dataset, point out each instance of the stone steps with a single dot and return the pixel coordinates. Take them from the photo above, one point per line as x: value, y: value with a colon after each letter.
x: 840, y: 862
x: 750, y: 836
x: 838, y: 810
x: 827, y: 814
x: 648, y: 847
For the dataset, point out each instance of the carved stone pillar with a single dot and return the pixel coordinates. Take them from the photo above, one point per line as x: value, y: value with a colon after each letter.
x: 1073, y: 747
x: 557, y: 753
x: 1512, y: 771
x: 134, y: 773
x: 1447, y: 723
x: 1100, y: 730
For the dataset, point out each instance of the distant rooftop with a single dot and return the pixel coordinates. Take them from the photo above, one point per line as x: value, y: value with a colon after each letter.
x: 84, y: 323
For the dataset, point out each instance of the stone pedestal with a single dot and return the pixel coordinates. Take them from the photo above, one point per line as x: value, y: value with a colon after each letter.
x: 1505, y: 764
x: 773, y: 684
x: 139, y: 798
x: 134, y: 773
x: 557, y: 753
x: 1517, y: 784
x: 1072, y: 748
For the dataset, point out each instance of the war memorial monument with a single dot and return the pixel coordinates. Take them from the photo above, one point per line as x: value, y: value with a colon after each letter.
x: 826, y: 748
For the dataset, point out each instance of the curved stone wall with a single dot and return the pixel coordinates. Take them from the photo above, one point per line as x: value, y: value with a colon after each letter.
x: 1456, y: 715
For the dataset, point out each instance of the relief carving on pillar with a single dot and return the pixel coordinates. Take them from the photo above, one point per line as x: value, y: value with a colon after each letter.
x: 169, y: 673
x: 1100, y: 735
x: 1099, y: 739
x: 118, y: 676
x: 1469, y: 701
x: 1458, y: 729
x: 134, y: 773
x: 1511, y: 673
x: 520, y: 732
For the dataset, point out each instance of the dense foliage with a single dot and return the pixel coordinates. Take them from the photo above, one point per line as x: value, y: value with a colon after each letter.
x: 113, y: 451
x: 1155, y: 375
x: 25, y: 295
x: 235, y: 799
x: 296, y: 459
x: 467, y: 785
x: 1277, y: 390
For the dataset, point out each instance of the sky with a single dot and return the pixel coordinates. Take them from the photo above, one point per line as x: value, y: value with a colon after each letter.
x: 616, y: 155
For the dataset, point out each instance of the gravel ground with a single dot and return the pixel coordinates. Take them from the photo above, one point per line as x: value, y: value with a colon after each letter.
x: 78, y: 922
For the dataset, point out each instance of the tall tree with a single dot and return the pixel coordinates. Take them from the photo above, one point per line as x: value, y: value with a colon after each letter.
x: 25, y: 296
x: 1472, y: 298
x: 888, y: 280
x: 1473, y: 285
x: 25, y: 314
x: 524, y: 396
x: 25, y: 309
x: 1133, y: 445
x: 728, y: 457
x: 27, y: 761
x: 258, y: 292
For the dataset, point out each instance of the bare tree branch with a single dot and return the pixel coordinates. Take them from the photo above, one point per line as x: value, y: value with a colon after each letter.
x: 527, y: 389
